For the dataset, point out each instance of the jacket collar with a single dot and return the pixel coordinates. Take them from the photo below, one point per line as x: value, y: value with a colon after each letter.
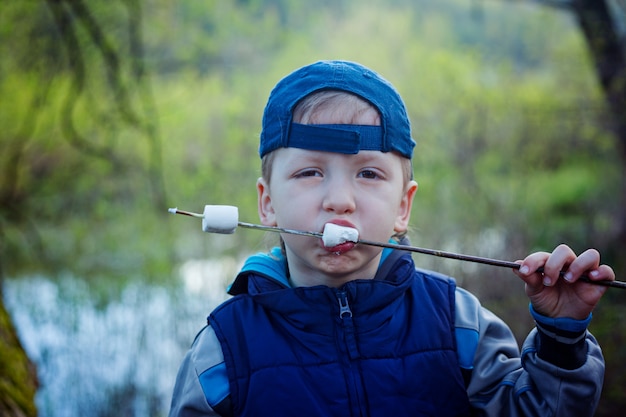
x: 273, y: 267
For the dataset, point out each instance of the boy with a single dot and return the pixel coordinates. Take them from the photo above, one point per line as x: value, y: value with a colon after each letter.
x: 354, y: 330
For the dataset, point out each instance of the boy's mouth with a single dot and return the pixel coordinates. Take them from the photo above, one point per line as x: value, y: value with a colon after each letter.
x: 341, y: 248
x: 339, y: 236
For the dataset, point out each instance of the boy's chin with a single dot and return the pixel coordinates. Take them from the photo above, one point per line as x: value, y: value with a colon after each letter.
x: 343, y: 265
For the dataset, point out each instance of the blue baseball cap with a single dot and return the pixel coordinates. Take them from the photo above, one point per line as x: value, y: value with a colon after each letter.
x: 394, y: 133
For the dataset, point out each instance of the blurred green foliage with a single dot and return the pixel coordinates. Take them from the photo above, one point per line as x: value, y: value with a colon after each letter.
x: 161, y: 106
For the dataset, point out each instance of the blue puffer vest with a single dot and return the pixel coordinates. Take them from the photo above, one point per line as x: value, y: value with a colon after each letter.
x: 370, y: 348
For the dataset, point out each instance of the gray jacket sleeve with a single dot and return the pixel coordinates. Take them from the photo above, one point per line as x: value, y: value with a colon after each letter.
x: 503, y: 382
x: 189, y: 398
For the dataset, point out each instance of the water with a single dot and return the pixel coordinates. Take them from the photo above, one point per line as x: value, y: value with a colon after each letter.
x: 117, y: 359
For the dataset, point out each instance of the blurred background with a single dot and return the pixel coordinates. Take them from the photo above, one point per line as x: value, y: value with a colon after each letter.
x: 112, y: 111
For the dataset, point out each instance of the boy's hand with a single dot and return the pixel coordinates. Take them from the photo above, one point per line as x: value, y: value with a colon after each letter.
x: 553, y: 295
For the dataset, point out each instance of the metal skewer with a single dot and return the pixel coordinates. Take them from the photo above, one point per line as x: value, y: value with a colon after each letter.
x: 425, y: 251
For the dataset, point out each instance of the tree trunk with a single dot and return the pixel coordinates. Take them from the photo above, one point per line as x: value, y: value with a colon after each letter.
x: 609, y: 55
x: 18, y: 378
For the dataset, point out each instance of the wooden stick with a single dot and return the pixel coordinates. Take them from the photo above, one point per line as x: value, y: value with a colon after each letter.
x: 425, y: 251
x: 481, y: 260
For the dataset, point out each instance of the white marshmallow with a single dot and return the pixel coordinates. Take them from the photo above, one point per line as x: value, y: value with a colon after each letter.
x: 220, y: 219
x: 336, y: 235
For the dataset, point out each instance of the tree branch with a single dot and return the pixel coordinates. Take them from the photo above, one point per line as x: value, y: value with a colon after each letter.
x: 65, y: 25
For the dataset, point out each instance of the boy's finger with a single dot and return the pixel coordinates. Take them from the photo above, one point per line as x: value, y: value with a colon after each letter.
x: 533, y: 262
x: 602, y: 273
x: 589, y: 260
x: 561, y: 258
x: 528, y: 268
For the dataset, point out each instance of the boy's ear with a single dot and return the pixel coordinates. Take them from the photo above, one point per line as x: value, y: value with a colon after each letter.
x: 404, y: 211
x: 264, y: 203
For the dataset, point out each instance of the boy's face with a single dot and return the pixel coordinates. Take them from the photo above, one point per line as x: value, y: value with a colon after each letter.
x: 308, y: 189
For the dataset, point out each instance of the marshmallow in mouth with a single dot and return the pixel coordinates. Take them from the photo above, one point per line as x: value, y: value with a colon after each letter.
x: 336, y: 235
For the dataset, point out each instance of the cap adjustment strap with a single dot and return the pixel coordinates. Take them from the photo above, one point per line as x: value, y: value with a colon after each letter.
x: 341, y: 138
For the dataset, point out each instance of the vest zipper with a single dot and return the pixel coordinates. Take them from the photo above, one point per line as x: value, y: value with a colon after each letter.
x: 344, y: 307
x: 347, y: 325
x: 350, y: 353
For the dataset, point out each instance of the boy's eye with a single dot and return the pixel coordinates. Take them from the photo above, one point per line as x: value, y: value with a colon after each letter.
x: 308, y: 173
x: 369, y: 174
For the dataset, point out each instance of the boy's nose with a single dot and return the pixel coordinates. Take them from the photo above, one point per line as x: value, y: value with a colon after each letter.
x: 339, y: 198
